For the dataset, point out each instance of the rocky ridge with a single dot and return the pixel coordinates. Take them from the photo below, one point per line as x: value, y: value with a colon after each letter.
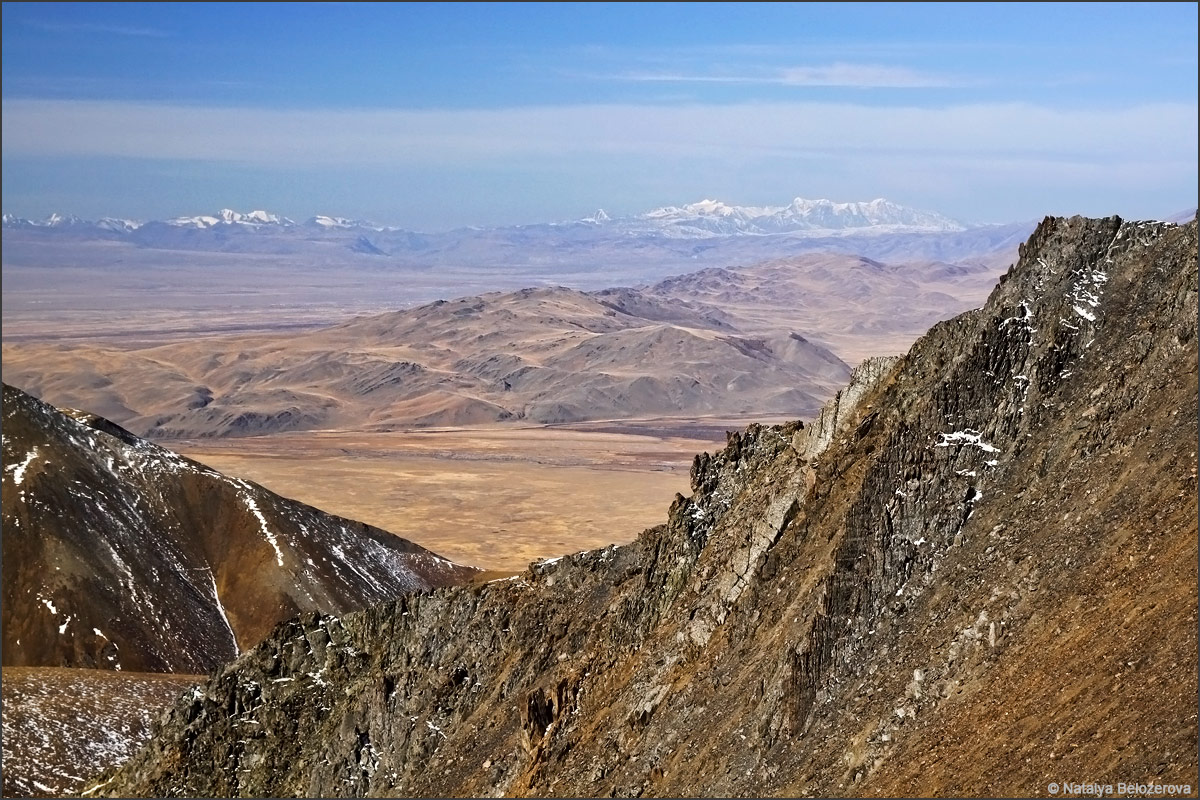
x: 120, y: 554
x: 984, y: 582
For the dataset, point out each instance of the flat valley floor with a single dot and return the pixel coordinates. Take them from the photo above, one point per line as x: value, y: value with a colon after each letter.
x: 495, y: 497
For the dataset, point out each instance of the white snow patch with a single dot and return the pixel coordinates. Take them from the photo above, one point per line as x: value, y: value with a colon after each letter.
x: 97, y: 786
x: 377, y: 568
x: 1026, y: 316
x: 967, y: 436
x: 1089, y: 316
x: 120, y: 563
x: 50, y: 606
x: 19, y: 469
x: 221, y: 610
x: 63, y: 628
x: 262, y: 521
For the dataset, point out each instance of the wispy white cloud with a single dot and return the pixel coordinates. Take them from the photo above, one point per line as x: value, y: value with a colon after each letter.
x: 1160, y: 131
x: 96, y: 28
x: 843, y: 75
x: 864, y: 76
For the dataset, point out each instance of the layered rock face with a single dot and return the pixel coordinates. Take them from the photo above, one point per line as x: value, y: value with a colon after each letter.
x: 984, y: 582
x: 121, y: 554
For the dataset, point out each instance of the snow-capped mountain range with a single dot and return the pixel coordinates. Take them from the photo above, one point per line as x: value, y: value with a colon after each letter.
x: 230, y: 217
x: 226, y: 216
x: 705, y: 219
x: 714, y: 218
x: 643, y: 246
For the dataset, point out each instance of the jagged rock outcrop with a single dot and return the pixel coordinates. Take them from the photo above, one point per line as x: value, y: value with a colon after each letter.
x: 812, y: 439
x: 986, y: 582
x: 121, y: 554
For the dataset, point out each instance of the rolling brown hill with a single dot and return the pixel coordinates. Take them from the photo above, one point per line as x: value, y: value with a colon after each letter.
x: 856, y: 306
x: 123, y: 555
x: 540, y: 355
x: 974, y: 574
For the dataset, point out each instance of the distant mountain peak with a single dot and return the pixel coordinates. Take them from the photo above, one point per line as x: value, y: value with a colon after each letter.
x: 326, y: 222
x: 227, y: 216
x: 54, y: 220
x: 364, y: 245
x: 821, y: 216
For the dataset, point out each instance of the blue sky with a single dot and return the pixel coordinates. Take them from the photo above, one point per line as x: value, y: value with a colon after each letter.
x: 437, y: 116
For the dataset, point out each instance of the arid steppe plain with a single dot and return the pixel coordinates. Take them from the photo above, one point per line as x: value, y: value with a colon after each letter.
x: 497, y: 497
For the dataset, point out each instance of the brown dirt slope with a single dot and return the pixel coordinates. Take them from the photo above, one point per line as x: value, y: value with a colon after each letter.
x: 985, y: 582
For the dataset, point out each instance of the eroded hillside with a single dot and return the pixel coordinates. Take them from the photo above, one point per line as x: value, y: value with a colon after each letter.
x: 539, y: 355
x: 975, y: 575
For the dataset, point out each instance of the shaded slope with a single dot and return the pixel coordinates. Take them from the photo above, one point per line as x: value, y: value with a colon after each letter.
x: 1000, y: 533
x: 124, y: 555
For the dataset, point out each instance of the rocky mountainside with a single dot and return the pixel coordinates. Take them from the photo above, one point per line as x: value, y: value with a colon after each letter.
x: 540, y: 355
x: 974, y: 575
x: 120, y: 554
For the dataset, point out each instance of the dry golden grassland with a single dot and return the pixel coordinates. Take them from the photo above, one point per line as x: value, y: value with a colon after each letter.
x: 496, y: 497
